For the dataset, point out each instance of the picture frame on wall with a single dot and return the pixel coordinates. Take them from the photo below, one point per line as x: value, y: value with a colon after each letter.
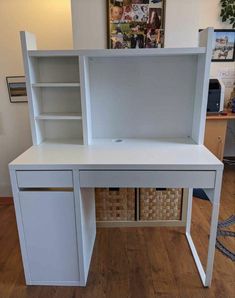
x: 17, y: 89
x: 223, y: 49
x: 135, y: 24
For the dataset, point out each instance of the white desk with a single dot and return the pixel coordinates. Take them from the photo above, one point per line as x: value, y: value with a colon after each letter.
x: 151, y: 100
x: 57, y: 226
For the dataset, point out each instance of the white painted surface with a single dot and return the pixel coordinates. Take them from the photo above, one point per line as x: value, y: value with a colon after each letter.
x: 196, y: 258
x: 20, y: 226
x: 88, y: 220
x: 51, y: 21
x: 59, y: 116
x: 127, y: 155
x: 52, y: 72
x: 142, y: 97
x: 111, y: 95
x: 52, y: 53
x: 202, y: 86
x: 181, y: 24
x: 85, y: 99
x: 64, y: 55
x: 89, y: 24
x: 86, y: 226
x: 53, y: 85
x: 50, y: 236
x: 206, y: 275
x: 55, y: 69
x: 28, y: 41
x: 33, y: 179
x: 59, y: 100
x: 189, y: 210
x: 173, y: 179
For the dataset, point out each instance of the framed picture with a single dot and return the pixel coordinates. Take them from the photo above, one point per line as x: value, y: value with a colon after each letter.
x: 135, y: 24
x: 223, y: 45
x: 17, y: 89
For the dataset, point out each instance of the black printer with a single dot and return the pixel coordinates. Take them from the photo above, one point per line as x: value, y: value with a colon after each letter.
x: 215, y: 103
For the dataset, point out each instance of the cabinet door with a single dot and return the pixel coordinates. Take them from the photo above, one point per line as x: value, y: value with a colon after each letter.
x: 215, y: 134
x: 50, y: 236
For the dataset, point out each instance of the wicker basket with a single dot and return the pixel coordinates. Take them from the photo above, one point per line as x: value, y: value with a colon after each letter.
x: 160, y: 204
x: 115, y: 204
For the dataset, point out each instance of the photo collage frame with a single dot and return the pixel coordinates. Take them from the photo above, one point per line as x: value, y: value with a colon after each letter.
x: 135, y: 24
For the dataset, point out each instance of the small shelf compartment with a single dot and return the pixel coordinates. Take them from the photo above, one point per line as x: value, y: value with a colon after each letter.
x: 54, y: 100
x: 54, y: 70
x: 60, y: 131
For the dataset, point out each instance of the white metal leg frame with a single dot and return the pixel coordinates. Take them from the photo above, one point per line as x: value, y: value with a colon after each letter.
x: 214, y: 196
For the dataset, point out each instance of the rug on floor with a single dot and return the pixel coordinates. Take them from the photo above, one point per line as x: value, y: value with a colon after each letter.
x: 225, y: 233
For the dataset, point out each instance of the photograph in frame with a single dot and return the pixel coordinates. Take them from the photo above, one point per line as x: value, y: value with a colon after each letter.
x: 17, y: 89
x: 135, y: 24
x: 223, y: 48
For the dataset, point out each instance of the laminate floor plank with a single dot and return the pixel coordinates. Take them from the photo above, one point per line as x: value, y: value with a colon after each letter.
x: 159, y: 261
x: 141, y: 282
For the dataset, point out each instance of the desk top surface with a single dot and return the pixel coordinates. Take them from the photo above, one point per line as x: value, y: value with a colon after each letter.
x: 145, y: 156
x: 229, y: 116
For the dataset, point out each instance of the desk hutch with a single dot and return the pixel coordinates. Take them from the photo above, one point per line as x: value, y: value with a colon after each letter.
x: 107, y: 118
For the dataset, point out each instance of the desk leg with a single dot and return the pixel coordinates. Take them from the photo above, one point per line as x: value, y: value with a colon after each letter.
x: 206, y: 276
x: 189, y: 210
x: 86, y: 225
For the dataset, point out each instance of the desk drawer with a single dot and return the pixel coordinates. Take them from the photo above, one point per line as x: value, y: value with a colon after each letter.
x: 173, y: 179
x: 33, y: 179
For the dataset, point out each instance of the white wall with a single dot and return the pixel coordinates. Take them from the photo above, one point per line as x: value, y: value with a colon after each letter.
x: 50, y: 20
x: 181, y: 25
x: 89, y: 24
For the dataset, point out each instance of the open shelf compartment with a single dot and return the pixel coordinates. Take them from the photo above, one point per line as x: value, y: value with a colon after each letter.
x: 60, y: 131
x: 62, y: 101
x: 61, y: 70
x: 142, y: 98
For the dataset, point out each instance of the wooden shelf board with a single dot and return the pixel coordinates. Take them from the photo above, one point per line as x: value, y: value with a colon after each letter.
x: 229, y: 115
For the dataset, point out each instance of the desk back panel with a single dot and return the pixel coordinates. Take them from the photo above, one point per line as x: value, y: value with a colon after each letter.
x: 142, y: 97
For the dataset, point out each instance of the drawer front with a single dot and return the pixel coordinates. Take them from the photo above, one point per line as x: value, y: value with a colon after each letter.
x: 173, y: 179
x: 33, y: 179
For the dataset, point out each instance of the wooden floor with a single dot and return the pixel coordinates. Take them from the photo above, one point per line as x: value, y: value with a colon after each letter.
x: 132, y: 262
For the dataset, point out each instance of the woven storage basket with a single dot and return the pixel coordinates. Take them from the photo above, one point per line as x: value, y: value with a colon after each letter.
x: 114, y: 204
x: 156, y: 204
